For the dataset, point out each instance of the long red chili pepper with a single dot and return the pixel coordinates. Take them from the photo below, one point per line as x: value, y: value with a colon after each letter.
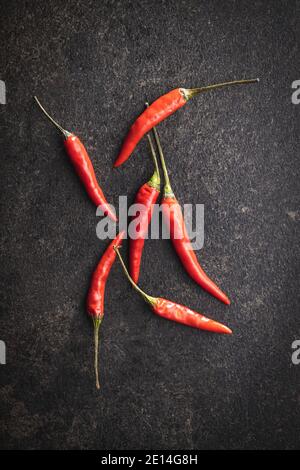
x: 146, y: 196
x: 176, y: 312
x: 160, y: 110
x: 173, y: 217
x: 95, y: 297
x: 83, y: 166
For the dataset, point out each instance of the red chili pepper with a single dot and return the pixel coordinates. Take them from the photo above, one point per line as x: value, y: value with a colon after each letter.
x: 176, y: 312
x: 146, y: 196
x: 173, y: 217
x: 160, y: 110
x: 95, y: 297
x: 83, y: 167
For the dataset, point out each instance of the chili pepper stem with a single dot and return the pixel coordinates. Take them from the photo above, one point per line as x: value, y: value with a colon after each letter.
x: 155, y: 178
x: 148, y: 298
x: 190, y: 92
x: 58, y: 126
x: 97, y: 322
x: 167, y: 187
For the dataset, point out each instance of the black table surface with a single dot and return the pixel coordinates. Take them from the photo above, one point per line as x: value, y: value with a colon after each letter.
x: 164, y: 386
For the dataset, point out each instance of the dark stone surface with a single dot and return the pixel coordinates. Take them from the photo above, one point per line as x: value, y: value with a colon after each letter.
x: 237, y: 151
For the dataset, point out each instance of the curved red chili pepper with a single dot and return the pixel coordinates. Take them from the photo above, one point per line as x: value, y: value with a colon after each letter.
x: 83, y: 167
x: 95, y: 297
x: 146, y: 197
x: 181, y: 314
x: 176, y: 312
x: 155, y: 113
x: 159, y: 110
x: 173, y: 217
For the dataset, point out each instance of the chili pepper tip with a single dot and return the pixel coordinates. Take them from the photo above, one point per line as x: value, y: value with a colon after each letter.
x: 228, y: 332
x: 222, y: 329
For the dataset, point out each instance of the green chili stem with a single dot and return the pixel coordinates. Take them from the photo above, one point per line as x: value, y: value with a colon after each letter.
x: 153, y: 155
x: 155, y: 178
x: 190, y: 92
x: 58, y: 126
x: 167, y: 188
x: 97, y: 322
x: 146, y: 297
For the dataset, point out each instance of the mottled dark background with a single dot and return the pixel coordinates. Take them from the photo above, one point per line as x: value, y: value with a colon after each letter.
x: 237, y: 151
